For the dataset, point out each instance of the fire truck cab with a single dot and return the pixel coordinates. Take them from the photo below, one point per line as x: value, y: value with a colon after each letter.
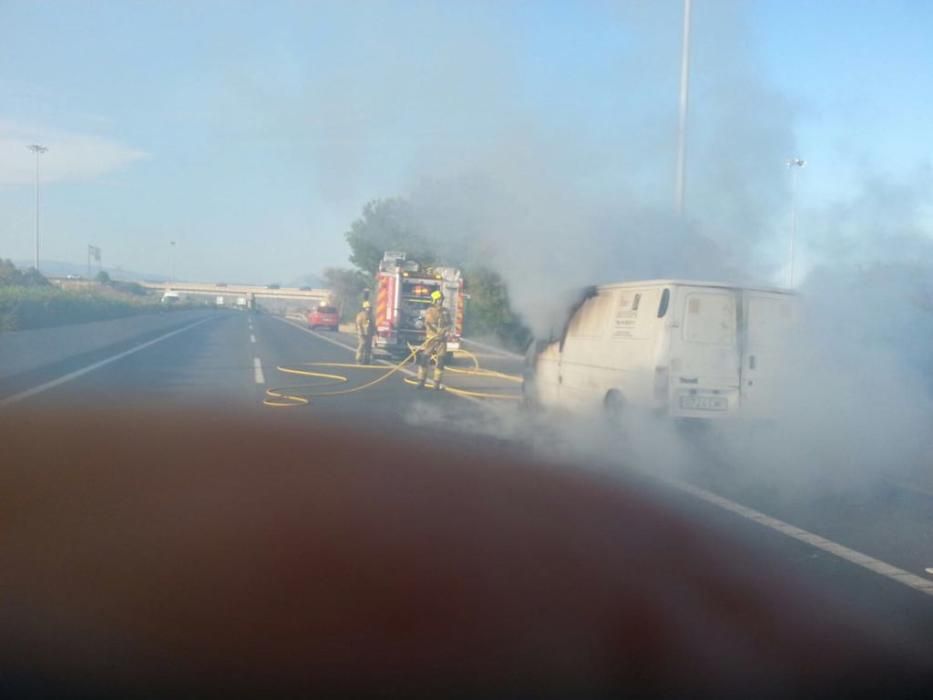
x: 403, y: 294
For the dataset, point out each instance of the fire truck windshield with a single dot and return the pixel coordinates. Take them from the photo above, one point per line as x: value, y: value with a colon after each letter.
x: 419, y: 291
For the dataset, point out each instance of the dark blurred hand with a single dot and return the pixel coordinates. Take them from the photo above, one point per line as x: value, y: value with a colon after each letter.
x: 162, y: 551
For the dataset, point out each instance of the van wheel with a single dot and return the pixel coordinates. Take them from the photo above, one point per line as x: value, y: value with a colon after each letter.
x: 614, y: 405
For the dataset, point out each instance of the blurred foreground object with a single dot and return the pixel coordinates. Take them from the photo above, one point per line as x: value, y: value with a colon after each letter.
x: 158, y: 552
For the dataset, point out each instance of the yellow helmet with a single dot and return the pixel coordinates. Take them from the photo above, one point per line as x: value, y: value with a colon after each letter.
x: 366, y: 304
x: 436, y: 297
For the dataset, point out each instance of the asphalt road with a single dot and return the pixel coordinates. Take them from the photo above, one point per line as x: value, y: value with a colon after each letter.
x: 873, y: 550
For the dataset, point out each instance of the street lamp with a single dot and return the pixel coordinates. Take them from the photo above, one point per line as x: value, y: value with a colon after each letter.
x: 794, y: 164
x: 173, y: 261
x: 682, y: 121
x: 38, y: 150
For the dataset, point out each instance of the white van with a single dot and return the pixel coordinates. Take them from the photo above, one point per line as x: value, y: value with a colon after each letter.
x: 685, y: 349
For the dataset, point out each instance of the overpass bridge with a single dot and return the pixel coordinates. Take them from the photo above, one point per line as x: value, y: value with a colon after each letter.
x: 231, y: 291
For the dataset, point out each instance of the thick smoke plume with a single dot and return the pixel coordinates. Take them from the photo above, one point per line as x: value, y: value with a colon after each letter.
x: 554, y: 210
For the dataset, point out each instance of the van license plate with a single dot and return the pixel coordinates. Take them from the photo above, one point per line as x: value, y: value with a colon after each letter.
x: 704, y: 403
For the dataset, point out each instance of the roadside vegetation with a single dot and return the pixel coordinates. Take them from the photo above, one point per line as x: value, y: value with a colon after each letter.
x: 28, y: 300
x: 391, y: 224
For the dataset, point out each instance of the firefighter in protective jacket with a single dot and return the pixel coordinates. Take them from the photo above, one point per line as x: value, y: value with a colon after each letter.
x: 437, y: 325
x: 365, y: 330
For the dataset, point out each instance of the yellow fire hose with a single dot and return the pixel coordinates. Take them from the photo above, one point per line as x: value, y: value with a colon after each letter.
x: 301, y: 394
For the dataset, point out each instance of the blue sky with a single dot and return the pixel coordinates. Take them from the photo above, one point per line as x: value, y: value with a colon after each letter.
x: 253, y: 133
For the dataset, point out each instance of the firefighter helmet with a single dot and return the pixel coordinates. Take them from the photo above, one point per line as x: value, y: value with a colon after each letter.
x: 436, y: 297
x: 366, y: 305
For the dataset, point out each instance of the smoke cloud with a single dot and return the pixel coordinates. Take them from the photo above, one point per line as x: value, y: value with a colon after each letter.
x: 555, y: 209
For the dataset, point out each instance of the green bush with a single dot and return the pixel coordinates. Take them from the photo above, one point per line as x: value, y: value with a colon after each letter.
x: 489, y: 312
x: 10, y: 275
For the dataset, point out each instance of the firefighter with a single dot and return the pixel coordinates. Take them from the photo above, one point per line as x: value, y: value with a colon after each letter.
x: 437, y: 325
x: 365, y: 330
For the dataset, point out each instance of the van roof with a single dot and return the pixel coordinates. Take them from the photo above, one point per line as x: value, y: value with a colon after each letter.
x: 693, y: 283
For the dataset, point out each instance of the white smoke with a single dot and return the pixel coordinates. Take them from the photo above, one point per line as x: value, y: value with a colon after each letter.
x: 553, y: 212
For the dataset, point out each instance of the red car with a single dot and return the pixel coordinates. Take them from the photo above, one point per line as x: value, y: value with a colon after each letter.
x: 324, y: 317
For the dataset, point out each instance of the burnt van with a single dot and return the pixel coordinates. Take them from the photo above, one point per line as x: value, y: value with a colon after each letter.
x: 680, y: 348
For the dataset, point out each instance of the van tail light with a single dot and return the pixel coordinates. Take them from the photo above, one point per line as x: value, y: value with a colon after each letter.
x: 662, y: 381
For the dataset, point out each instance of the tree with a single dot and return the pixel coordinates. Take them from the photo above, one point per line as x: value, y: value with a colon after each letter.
x: 347, y: 287
x: 489, y: 311
x: 103, y: 277
x: 386, y: 224
x: 10, y: 275
x: 392, y: 224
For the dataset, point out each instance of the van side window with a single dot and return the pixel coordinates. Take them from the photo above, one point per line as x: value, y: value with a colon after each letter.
x: 635, y: 302
x: 665, y: 300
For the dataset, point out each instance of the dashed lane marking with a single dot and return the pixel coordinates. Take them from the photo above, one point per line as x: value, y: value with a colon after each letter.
x: 257, y: 371
x: 15, y: 398
x: 863, y: 560
x: 252, y: 338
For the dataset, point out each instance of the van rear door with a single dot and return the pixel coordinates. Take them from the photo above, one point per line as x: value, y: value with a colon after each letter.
x: 768, y: 320
x: 704, y: 353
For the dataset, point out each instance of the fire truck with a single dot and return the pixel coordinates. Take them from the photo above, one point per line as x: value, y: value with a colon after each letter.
x: 403, y: 293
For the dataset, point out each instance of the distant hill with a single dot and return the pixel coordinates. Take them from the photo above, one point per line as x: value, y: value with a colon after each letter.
x: 57, y: 268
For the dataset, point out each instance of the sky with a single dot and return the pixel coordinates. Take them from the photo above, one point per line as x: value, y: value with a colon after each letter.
x: 252, y: 134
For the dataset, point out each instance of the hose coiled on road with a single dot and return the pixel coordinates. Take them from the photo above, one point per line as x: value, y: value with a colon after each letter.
x: 301, y: 394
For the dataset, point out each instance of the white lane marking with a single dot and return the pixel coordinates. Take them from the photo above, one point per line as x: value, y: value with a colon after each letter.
x: 863, y: 560
x: 15, y: 398
x: 257, y: 371
x: 252, y: 338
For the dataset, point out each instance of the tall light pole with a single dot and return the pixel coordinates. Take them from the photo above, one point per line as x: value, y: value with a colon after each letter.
x: 794, y: 164
x: 173, y: 261
x: 682, y: 116
x: 38, y: 150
